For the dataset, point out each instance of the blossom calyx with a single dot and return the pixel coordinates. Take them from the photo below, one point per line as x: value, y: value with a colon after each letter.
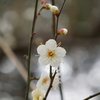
x: 54, y: 10
x: 47, y: 6
x: 62, y: 31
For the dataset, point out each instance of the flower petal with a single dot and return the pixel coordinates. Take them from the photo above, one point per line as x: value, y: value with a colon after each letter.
x: 44, y: 81
x: 41, y: 49
x: 51, y: 44
x: 60, y: 52
x: 55, y: 62
x: 39, y: 83
x: 43, y: 60
x: 44, y: 74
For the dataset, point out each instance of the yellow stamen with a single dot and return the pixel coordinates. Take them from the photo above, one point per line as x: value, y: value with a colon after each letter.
x: 50, y: 53
x: 45, y: 79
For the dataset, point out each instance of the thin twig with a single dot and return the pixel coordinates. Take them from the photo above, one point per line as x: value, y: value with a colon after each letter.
x: 61, y: 7
x: 53, y: 20
x: 30, y: 48
x: 92, y: 96
x: 34, y: 78
x: 50, y: 86
x: 56, y: 35
x: 40, y: 11
x: 58, y: 15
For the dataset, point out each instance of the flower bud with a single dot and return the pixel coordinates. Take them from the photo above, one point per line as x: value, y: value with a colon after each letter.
x: 62, y: 31
x: 42, y: 1
x: 47, y: 6
x: 54, y: 10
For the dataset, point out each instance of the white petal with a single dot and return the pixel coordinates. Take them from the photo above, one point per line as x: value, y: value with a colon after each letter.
x: 41, y: 49
x: 44, y: 74
x: 60, y: 52
x: 39, y: 83
x: 51, y: 44
x: 43, y: 60
x: 45, y: 86
x: 55, y: 62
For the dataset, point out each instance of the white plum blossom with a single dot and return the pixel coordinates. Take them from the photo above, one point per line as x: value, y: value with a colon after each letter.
x: 44, y: 81
x: 37, y: 94
x: 50, y: 53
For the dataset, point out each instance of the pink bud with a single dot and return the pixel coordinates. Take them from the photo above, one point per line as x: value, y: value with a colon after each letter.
x: 47, y: 6
x: 62, y: 31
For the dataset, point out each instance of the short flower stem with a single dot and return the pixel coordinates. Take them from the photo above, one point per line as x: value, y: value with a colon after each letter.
x: 91, y: 96
x: 34, y: 78
x: 50, y: 71
x: 30, y: 48
x: 40, y: 11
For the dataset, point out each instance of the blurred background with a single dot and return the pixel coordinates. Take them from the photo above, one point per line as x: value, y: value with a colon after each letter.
x: 81, y: 68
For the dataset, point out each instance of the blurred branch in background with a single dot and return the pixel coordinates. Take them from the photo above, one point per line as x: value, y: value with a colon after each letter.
x: 8, y: 51
x: 91, y: 96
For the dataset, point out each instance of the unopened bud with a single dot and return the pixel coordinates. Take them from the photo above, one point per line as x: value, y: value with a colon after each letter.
x: 62, y: 31
x: 54, y: 10
x: 47, y: 6
x: 42, y: 1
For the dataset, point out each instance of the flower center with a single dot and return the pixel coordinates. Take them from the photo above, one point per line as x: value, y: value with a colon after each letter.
x: 45, y: 79
x: 50, y: 53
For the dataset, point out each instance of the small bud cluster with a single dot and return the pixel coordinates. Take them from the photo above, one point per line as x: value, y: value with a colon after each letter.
x: 52, y: 8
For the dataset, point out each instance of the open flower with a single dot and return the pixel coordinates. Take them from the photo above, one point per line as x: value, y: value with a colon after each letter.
x: 37, y: 94
x: 50, y: 53
x: 44, y: 81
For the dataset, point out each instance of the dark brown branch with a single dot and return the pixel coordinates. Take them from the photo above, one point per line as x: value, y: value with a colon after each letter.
x: 50, y: 86
x: 30, y: 48
x: 53, y: 20
x: 92, y: 96
x: 61, y: 8
x: 58, y: 15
